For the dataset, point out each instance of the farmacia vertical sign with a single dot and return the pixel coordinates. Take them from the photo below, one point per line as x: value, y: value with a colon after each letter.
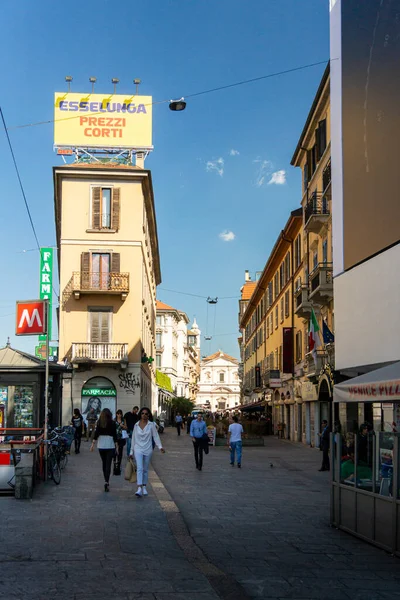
x: 46, y: 283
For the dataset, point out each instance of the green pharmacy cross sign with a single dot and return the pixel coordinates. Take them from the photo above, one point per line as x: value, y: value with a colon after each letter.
x: 46, y: 284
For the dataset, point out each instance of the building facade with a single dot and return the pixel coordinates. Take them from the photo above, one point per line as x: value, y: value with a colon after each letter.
x: 177, y: 349
x: 219, y: 384
x: 314, y: 286
x: 246, y: 292
x: 297, y: 282
x: 274, y: 335
x: 109, y: 268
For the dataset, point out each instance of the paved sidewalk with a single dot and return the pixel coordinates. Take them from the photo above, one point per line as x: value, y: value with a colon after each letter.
x: 268, y: 526
x: 75, y: 542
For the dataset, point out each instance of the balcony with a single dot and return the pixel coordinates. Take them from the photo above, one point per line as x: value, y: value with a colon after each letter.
x: 326, y: 176
x: 98, y: 353
x: 316, y: 212
x: 321, y: 283
x: 302, y: 304
x: 87, y: 282
x: 313, y: 367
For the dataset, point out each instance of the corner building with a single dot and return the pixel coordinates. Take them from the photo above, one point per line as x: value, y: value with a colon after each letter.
x: 109, y: 268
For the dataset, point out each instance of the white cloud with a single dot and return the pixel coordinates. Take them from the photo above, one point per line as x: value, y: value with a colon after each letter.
x: 234, y: 152
x: 216, y: 165
x: 227, y: 236
x: 279, y: 178
x: 264, y: 171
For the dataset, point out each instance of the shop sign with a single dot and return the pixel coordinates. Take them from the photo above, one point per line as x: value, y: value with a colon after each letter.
x: 105, y: 121
x: 212, y: 434
x: 389, y: 389
x: 309, y: 391
x: 99, y: 392
x: 40, y: 352
x: 31, y: 317
x: 46, y: 283
x: 275, y: 380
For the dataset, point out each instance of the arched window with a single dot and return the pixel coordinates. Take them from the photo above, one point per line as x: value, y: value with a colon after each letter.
x: 98, y: 393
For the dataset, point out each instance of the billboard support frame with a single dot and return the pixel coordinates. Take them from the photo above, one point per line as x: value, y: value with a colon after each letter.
x: 123, y: 154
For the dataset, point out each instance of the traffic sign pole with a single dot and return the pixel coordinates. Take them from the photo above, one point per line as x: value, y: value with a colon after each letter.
x: 46, y: 385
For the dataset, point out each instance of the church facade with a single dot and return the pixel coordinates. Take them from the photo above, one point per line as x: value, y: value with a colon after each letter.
x: 219, y: 385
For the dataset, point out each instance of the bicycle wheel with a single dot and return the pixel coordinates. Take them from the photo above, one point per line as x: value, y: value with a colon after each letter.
x: 54, y: 469
x: 63, y: 461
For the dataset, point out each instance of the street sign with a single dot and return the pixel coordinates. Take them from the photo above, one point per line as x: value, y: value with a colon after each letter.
x: 31, y: 317
x: 46, y: 283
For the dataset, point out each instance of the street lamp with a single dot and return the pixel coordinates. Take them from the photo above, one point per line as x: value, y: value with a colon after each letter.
x: 68, y: 79
x: 177, y: 105
x: 137, y: 82
x: 114, y: 81
x: 92, y: 81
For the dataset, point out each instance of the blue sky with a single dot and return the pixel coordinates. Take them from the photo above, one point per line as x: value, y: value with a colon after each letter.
x: 212, y: 164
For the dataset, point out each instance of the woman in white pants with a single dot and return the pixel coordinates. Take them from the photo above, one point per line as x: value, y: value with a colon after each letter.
x: 143, y: 435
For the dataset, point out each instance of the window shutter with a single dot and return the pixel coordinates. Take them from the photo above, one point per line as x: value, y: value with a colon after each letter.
x: 96, y: 203
x: 94, y: 327
x: 85, y: 262
x: 115, y: 262
x: 104, y: 327
x: 116, y: 202
x: 85, y: 270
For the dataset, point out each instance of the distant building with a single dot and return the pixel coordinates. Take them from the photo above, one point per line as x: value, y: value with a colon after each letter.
x: 219, y: 385
x: 177, y: 349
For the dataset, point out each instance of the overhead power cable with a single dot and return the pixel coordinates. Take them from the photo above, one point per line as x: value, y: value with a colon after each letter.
x: 198, y: 295
x: 195, y: 94
x: 19, y: 179
x: 21, y: 186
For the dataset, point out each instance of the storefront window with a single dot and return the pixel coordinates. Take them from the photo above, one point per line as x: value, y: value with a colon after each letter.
x: 3, y: 406
x: 385, y: 463
x: 23, y: 406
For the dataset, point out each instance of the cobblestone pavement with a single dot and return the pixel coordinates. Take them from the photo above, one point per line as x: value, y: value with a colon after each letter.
x: 258, y: 532
x: 75, y: 542
x: 268, y: 526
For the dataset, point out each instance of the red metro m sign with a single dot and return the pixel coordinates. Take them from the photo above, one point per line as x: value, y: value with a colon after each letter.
x: 31, y: 317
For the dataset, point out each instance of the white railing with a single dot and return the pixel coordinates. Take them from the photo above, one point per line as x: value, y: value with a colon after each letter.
x: 100, y: 352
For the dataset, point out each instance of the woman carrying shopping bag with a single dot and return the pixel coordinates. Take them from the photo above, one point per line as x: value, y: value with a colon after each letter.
x: 143, y: 435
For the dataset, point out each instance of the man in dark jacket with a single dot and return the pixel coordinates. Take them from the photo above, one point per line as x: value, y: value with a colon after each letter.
x: 324, y: 446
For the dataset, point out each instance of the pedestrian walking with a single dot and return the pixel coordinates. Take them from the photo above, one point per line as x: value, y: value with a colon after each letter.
x: 324, y: 446
x: 106, y: 437
x: 77, y: 424
x: 130, y: 420
x: 178, y: 423
x: 198, y: 429
x: 91, y: 418
x: 143, y: 435
x: 121, y: 441
x: 235, y: 432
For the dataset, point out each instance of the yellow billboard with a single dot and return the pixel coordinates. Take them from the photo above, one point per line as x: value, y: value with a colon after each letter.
x: 98, y: 120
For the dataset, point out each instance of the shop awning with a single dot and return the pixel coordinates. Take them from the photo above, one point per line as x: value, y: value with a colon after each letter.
x: 256, y: 406
x: 382, y: 385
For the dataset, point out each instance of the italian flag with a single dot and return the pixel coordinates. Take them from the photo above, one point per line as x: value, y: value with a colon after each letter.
x: 314, y: 339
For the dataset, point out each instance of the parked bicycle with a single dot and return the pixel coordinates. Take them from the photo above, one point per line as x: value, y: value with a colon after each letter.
x: 53, y: 464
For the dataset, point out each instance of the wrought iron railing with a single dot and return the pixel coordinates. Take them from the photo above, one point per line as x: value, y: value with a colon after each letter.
x: 317, y: 204
x: 91, y: 281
